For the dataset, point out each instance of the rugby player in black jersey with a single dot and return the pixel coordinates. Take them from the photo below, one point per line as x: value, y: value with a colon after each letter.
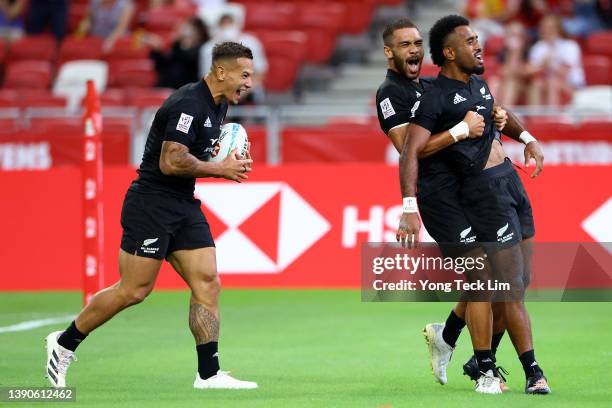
x: 492, y: 195
x: 161, y: 219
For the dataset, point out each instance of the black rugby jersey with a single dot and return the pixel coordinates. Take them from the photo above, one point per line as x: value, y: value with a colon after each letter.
x: 444, y: 105
x: 190, y: 117
x: 396, y: 103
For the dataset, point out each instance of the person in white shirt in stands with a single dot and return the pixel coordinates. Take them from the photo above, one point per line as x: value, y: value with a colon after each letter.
x: 229, y: 29
x: 555, y: 63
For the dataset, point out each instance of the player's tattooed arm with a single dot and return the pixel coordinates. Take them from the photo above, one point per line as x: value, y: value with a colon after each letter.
x: 435, y: 143
x: 203, y: 324
x: 175, y: 160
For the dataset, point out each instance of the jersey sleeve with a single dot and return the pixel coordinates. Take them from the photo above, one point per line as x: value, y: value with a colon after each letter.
x: 392, y: 108
x: 426, y: 110
x: 182, y: 122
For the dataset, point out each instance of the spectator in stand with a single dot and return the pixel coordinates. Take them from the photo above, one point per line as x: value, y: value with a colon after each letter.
x: 42, y: 13
x: 555, y: 64
x: 109, y: 19
x: 585, y: 19
x: 229, y: 30
x: 487, y: 17
x: 527, y: 12
x: 180, y: 65
x: 510, y: 80
x: 11, y: 19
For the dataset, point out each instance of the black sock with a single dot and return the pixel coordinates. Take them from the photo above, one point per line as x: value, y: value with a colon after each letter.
x: 71, y: 337
x: 452, y: 328
x: 530, y: 365
x: 485, y: 360
x: 495, y: 341
x: 208, y: 359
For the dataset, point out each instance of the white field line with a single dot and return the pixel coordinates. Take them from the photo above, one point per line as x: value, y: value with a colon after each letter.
x: 33, y: 324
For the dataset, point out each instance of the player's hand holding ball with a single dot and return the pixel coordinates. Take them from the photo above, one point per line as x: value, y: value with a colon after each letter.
x: 475, y: 123
x: 232, y: 152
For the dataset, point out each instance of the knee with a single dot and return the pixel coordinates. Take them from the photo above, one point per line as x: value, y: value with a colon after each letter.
x: 206, y: 289
x: 134, y: 296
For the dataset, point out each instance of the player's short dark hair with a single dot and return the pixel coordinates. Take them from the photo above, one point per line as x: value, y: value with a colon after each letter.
x: 438, y: 34
x: 396, y: 25
x: 230, y: 50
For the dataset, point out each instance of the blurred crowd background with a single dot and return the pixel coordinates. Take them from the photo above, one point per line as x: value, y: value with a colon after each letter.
x: 317, y: 66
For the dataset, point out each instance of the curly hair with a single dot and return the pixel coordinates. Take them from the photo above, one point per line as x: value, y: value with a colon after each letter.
x: 394, y: 26
x: 231, y: 50
x: 438, y: 34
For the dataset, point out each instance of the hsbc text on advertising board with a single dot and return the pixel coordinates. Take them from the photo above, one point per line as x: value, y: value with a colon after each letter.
x: 289, y: 226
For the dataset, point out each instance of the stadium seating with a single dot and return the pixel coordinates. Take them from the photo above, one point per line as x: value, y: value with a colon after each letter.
x: 132, y: 73
x: 73, y: 76
x: 360, y: 12
x: 597, y: 69
x: 40, y: 47
x: 285, y: 51
x: 147, y: 97
x: 28, y: 74
x: 126, y: 49
x: 321, y: 23
x: 270, y: 16
x: 600, y: 43
x: 72, y: 48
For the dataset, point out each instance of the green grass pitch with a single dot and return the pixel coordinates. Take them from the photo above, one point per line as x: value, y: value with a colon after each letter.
x: 305, y: 349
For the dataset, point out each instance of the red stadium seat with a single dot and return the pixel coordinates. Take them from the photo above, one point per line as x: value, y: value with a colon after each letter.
x: 360, y: 12
x: 321, y: 22
x: 73, y: 48
x: 40, y: 47
x: 28, y: 74
x: 126, y: 49
x: 145, y: 98
x: 597, y: 69
x: 270, y: 16
x: 8, y: 98
x: 39, y: 98
x: 132, y: 73
x: 285, y: 51
x: 162, y: 19
x: 600, y: 43
x: 9, y: 124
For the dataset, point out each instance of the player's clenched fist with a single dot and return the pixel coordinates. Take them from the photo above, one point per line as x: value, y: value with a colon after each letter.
x: 475, y: 123
x: 235, y: 168
x: 408, y: 230
x: 500, y: 117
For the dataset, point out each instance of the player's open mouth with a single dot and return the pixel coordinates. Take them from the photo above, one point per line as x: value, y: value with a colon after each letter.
x: 413, y: 65
x: 478, y: 56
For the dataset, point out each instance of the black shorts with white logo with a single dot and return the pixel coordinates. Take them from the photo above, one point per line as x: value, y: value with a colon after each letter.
x: 155, y: 224
x: 497, y: 206
x: 446, y: 222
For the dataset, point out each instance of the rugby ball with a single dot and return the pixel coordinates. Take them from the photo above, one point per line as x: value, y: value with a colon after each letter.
x: 233, y: 136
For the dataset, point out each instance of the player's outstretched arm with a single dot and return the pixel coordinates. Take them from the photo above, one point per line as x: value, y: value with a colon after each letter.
x: 514, y: 129
x: 408, y: 231
x: 175, y: 160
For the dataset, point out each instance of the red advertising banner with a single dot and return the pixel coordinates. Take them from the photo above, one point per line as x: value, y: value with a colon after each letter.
x: 288, y: 226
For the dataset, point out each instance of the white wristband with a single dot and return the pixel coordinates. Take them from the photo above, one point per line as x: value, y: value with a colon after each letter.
x: 526, y: 137
x: 410, y: 205
x: 460, y: 129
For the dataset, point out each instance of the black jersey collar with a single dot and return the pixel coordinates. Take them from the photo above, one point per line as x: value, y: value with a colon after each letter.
x: 205, y: 92
x: 394, y: 74
x: 454, y: 83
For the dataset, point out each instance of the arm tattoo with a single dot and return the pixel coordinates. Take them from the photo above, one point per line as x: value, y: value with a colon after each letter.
x: 182, y: 162
x: 203, y: 324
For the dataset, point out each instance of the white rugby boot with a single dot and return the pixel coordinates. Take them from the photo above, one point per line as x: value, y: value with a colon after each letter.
x: 440, y: 352
x: 58, y: 360
x: 222, y: 380
x: 488, y: 383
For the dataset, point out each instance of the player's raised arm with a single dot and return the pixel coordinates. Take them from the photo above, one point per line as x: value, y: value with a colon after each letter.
x: 175, y: 160
x: 514, y: 129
